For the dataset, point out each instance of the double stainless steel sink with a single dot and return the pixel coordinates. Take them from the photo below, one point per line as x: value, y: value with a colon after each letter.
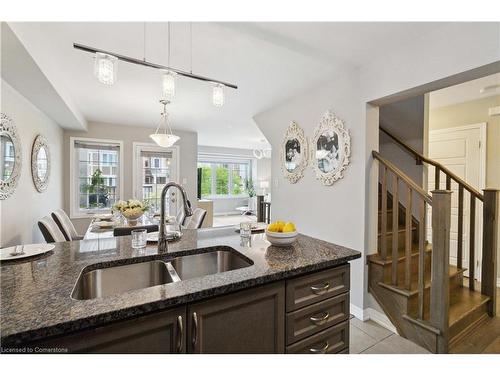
x: 109, y: 281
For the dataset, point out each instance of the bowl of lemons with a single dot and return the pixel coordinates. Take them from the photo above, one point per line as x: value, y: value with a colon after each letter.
x: 280, y: 233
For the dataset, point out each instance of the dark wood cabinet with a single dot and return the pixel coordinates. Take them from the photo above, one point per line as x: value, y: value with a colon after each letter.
x: 307, y: 314
x: 162, y: 333
x: 252, y: 321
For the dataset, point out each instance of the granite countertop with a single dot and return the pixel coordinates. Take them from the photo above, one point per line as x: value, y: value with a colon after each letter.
x: 36, y: 298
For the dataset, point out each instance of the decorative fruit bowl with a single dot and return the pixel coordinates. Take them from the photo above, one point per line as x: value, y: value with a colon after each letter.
x: 131, y: 210
x: 281, y: 234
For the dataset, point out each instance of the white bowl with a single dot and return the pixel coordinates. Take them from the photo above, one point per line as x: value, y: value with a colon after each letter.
x: 280, y: 238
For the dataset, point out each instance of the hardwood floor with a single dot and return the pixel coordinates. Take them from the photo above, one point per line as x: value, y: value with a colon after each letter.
x: 485, y: 340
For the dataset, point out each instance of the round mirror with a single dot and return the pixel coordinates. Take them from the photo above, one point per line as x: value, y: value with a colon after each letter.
x: 40, y: 163
x: 10, y: 157
x: 41, y: 160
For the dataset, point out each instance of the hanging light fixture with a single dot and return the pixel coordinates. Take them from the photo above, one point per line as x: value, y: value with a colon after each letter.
x: 167, y: 138
x: 218, y: 95
x: 168, y: 84
x: 105, y: 67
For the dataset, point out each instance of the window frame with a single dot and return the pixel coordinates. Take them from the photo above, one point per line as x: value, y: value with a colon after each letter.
x: 75, y: 211
x: 225, y: 159
x: 136, y: 174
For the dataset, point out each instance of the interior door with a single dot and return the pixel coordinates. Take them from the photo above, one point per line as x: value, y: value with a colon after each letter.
x: 460, y: 150
x: 154, y: 167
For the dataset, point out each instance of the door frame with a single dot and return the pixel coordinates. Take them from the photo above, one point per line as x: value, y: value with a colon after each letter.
x: 482, y: 126
x: 135, y: 173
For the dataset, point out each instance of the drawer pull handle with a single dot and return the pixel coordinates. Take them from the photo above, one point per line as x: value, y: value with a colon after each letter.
x: 180, y: 337
x: 319, y: 289
x: 194, y: 338
x: 320, y: 320
x: 321, y: 350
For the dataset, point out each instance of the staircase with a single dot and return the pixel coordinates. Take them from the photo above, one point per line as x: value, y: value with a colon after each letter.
x: 420, y: 291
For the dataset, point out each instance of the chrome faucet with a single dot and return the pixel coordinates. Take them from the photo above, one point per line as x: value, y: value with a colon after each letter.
x: 162, y: 237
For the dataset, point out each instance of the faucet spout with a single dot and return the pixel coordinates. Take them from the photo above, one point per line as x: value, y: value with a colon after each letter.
x: 162, y: 236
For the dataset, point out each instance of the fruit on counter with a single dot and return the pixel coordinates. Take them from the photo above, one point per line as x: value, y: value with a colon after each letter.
x: 281, y: 226
x: 289, y: 227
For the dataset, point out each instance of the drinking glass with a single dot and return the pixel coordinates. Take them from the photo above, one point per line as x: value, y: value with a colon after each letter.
x: 245, y: 229
x: 139, y: 238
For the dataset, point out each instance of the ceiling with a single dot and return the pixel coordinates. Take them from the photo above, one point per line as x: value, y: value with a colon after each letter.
x: 269, y: 62
x: 465, y: 92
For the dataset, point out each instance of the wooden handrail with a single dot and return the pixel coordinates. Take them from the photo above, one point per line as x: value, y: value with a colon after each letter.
x: 419, y: 158
x: 402, y: 176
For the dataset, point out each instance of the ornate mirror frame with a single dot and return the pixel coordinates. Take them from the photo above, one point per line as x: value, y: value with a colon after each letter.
x: 7, y: 127
x: 294, y: 131
x: 39, y: 143
x: 330, y: 122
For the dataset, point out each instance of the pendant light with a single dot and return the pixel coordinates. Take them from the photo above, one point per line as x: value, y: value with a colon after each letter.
x: 165, y: 138
x: 105, y: 68
x: 218, y: 95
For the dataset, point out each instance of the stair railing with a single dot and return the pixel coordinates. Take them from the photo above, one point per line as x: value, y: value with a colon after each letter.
x: 390, y: 174
x: 490, y: 237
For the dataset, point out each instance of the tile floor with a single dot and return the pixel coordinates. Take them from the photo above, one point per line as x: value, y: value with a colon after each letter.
x: 370, y: 338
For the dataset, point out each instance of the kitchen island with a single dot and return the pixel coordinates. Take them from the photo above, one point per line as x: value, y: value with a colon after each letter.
x: 296, y: 297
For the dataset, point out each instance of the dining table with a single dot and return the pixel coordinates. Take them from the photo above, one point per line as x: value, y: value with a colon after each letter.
x: 94, y: 232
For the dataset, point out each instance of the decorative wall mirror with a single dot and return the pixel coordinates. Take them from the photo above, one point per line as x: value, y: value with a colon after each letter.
x: 40, y: 163
x: 10, y: 157
x: 294, y: 153
x: 330, y: 149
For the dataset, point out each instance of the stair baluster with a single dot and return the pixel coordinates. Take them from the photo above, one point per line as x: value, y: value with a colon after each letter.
x: 460, y: 227
x: 395, y: 229
x: 408, y: 238
x: 472, y: 241
x: 384, y: 213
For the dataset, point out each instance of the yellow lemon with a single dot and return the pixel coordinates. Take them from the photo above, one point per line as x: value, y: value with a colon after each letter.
x: 272, y: 227
x: 289, y: 227
x: 279, y: 225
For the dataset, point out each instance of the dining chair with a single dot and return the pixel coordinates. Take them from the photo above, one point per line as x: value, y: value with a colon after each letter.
x: 65, y: 225
x: 126, y: 231
x: 196, y: 220
x: 50, y: 230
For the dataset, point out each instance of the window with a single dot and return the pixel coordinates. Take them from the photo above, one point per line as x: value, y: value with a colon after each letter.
x: 95, y: 175
x: 154, y: 168
x: 224, y: 178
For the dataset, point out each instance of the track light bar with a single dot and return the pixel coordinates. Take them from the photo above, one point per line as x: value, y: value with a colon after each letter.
x: 151, y: 65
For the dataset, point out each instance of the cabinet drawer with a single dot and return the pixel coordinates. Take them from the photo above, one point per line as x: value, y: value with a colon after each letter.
x: 330, y: 341
x: 309, y: 289
x: 314, y: 318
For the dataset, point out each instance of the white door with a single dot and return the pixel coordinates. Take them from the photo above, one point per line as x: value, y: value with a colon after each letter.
x: 462, y: 151
x: 154, y: 167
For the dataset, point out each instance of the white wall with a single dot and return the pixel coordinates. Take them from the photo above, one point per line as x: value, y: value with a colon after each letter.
x: 332, y: 213
x: 21, y: 211
x: 346, y: 212
x: 129, y: 134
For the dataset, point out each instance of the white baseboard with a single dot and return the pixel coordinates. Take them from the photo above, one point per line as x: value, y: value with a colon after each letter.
x: 372, y: 314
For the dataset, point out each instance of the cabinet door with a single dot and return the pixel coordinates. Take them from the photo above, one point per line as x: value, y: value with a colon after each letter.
x: 250, y: 321
x: 162, y: 332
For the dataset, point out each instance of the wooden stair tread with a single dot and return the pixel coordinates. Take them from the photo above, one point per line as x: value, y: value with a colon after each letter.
x: 463, y: 302
x: 401, y: 229
x: 400, y: 289
x: 376, y: 258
